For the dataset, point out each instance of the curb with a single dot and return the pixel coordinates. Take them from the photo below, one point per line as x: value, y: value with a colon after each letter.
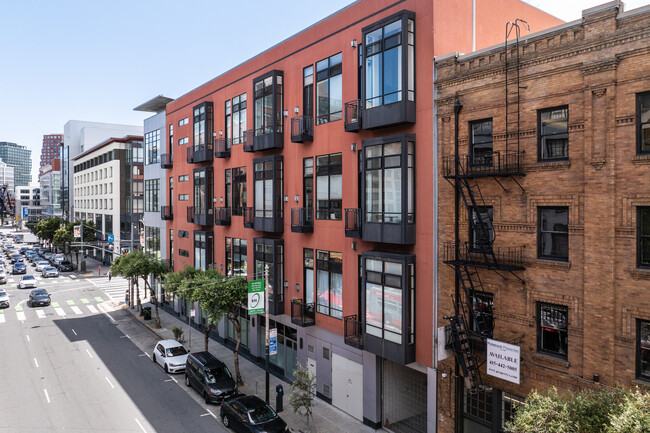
x: 135, y: 317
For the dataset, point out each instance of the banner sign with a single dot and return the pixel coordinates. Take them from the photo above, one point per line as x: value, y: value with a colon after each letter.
x: 256, y: 297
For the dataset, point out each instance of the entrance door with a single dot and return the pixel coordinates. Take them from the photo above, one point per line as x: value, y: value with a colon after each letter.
x: 347, y: 386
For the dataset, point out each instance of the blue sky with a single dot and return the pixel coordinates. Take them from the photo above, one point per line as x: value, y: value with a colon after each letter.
x: 96, y: 61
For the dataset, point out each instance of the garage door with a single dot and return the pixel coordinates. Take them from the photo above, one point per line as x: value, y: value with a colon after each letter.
x: 347, y: 386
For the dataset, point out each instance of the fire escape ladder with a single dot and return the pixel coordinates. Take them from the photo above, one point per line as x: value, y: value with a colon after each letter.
x: 481, y: 226
x: 478, y: 314
x: 464, y: 353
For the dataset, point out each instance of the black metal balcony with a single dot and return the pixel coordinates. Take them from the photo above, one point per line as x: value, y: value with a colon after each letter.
x: 166, y: 213
x: 222, y: 148
x: 249, y: 217
x: 353, y: 223
x: 302, y: 220
x: 166, y: 160
x: 484, y: 164
x: 508, y: 259
x: 271, y: 221
x: 200, y: 153
x: 248, y: 140
x: 190, y: 214
x: 353, y: 331
x: 302, y: 129
x: 302, y: 314
x: 222, y: 216
x: 352, y: 115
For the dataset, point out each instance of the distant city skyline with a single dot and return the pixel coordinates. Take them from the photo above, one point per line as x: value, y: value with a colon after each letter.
x: 78, y: 60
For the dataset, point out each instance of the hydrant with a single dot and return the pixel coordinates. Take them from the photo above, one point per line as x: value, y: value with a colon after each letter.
x: 99, y: 270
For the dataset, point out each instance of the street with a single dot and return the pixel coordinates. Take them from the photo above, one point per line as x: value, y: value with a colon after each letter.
x: 82, y: 364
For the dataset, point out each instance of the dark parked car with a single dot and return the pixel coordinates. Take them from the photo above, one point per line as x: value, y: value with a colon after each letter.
x: 65, y: 266
x: 16, y: 258
x: 19, y: 268
x: 250, y: 414
x: 39, y: 297
x: 209, y: 376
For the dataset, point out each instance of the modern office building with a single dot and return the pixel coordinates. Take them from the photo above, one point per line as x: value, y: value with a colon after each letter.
x: 545, y: 147
x: 108, y: 183
x: 78, y: 137
x: 50, y: 180
x: 51, y: 148
x: 28, y: 203
x: 316, y: 158
x: 7, y: 176
x: 20, y: 158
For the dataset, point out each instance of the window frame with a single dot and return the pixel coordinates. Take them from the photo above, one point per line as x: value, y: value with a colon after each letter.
x: 268, y: 135
x: 640, y: 124
x: 473, y: 237
x: 540, y: 337
x: 206, y: 244
x: 485, y: 161
x: 270, y: 218
x: 331, y: 266
x: 152, y: 140
x: 541, y: 232
x: 641, y: 237
x: 639, y: 351
x: 234, y: 247
x: 272, y: 253
x: 203, y: 118
x: 540, y: 136
x: 328, y: 171
x: 152, y: 195
x: 325, y: 75
x: 237, y: 174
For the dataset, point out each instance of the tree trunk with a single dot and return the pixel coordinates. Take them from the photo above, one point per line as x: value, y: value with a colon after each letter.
x: 237, y: 326
x: 206, y: 334
x: 154, y: 301
x: 137, y: 296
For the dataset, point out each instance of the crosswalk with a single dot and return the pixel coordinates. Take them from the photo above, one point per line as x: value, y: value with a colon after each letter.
x: 114, y: 289
x: 59, y: 309
x: 15, y: 279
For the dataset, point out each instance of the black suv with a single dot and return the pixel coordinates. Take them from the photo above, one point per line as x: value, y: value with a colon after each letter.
x: 250, y: 414
x: 64, y: 266
x: 209, y: 376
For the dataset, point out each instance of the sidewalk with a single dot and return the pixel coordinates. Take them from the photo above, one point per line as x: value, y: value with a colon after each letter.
x: 327, y: 418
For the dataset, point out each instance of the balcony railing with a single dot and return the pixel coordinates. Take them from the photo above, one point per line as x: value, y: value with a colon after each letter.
x: 302, y: 220
x: 200, y: 153
x: 497, y: 258
x: 352, y: 113
x: 166, y: 213
x: 353, y: 332
x: 485, y: 164
x: 302, y: 314
x: 222, y: 216
x: 302, y: 129
x: 190, y: 214
x: 166, y: 160
x: 353, y: 222
x: 249, y: 217
x: 222, y: 148
x: 248, y: 140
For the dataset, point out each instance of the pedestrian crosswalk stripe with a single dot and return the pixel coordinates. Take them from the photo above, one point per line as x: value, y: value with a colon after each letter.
x: 70, y: 302
x: 92, y: 309
x: 60, y: 311
x: 21, y: 316
x: 85, y: 301
x: 55, y: 304
x: 98, y: 299
x: 76, y: 310
x: 40, y: 314
x: 2, y: 318
x: 19, y: 308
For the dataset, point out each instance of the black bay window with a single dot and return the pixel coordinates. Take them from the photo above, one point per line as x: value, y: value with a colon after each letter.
x: 203, y: 249
x: 388, y: 305
x: 268, y: 109
x: 329, y: 283
x: 238, y: 190
x: 553, y: 233
x: 271, y: 252
x: 329, y: 89
x: 388, y: 205
x: 389, y: 76
x: 238, y: 119
x: 236, y: 257
x: 203, y: 185
x: 202, y: 146
x: 268, y: 208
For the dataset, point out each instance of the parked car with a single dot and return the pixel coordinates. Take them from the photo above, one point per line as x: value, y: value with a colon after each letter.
x: 170, y: 355
x: 3, y: 276
x: 16, y: 258
x: 65, y: 266
x: 19, y: 268
x: 23, y: 250
x: 41, y: 265
x: 47, y: 255
x: 250, y: 414
x: 27, y: 282
x: 209, y: 376
x: 4, y: 299
x: 50, y: 271
x: 39, y: 297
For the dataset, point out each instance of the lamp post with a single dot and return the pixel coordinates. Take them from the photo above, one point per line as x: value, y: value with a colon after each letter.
x: 266, y: 311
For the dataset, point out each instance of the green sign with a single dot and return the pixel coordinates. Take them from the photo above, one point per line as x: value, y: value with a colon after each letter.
x: 256, y: 297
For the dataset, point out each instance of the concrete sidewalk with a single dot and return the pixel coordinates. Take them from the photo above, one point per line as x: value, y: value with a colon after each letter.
x: 327, y: 418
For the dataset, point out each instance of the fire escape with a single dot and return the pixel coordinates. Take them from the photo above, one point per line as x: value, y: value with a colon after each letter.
x: 473, y: 321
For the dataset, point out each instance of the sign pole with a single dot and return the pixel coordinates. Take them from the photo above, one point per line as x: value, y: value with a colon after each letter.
x: 268, y: 324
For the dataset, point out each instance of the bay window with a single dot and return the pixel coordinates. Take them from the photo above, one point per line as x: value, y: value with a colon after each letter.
x: 268, y: 111
x: 268, y: 204
x: 271, y: 252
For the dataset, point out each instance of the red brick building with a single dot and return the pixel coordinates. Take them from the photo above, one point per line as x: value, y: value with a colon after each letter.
x: 50, y: 149
x: 551, y: 176
x: 314, y: 157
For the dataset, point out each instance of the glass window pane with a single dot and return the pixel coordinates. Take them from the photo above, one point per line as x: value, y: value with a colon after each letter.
x: 374, y: 318
x: 393, y: 195
x: 374, y: 75
x: 374, y: 36
x: 392, y: 28
x: 393, y: 75
x: 373, y: 196
x: 322, y: 289
x: 336, y: 295
x: 393, y: 314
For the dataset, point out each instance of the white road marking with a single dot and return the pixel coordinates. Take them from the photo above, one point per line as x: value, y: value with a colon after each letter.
x: 73, y: 276
x: 142, y: 428
x: 169, y: 380
x: 74, y: 332
x: 109, y: 382
x: 210, y: 413
x: 89, y: 354
x: 92, y: 309
x: 103, y: 310
x: 125, y: 336
x: 59, y: 311
x: 35, y: 362
x: 40, y: 314
x: 2, y: 318
x: 76, y: 310
x: 21, y: 316
x: 28, y: 340
x: 47, y: 397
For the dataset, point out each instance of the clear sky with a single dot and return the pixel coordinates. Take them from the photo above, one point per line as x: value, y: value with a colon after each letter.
x: 97, y: 60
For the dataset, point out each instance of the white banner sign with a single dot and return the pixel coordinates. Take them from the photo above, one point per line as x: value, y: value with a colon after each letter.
x: 503, y: 360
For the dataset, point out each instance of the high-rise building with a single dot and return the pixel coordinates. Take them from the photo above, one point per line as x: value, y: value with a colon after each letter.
x: 7, y: 176
x: 20, y: 158
x: 50, y: 179
x: 51, y: 148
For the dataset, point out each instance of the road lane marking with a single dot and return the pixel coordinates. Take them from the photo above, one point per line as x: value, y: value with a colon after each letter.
x: 142, y: 428
x: 70, y: 302
x: 92, y: 309
x: 35, y: 362
x: 55, y: 304
x: 89, y: 354
x: 98, y: 299
x: 21, y: 316
x: 28, y: 340
x: 84, y: 301
x: 40, y: 314
x: 60, y: 311
x: 46, y: 396
x: 109, y: 382
x: 76, y: 310
x: 74, y: 332
x: 19, y: 308
x: 73, y: 276
x: 2, y: 318
x: 210, y: 414
x: 125, y: 336
x: 105, y: 313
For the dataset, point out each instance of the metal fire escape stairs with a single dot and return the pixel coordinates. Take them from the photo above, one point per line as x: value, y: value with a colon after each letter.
x: 6, y: 205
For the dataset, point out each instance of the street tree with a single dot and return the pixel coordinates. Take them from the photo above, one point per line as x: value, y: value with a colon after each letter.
x: 232, y: 295
x: 303, y: 390
x: 47, y: 227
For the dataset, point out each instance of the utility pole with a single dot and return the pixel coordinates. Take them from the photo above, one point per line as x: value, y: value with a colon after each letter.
x: 266, y: 312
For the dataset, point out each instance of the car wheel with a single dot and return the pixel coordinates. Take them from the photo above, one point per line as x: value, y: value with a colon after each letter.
x: 206, y: 397
x: 187, y: 380
x: 166, y: 369
x: 153, y: 358
x: 225, y: 420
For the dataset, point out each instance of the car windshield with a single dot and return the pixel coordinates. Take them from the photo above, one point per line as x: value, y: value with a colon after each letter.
x: 28, y: 277
x: 3, y: 293
x: 66, y: 262
x: 50, y: 268
x: 41, y: 292
x: 262, y: 414
x: 176, y: 351
x: 43, y: 263
x: 19, y: 265
x: 219, y: 374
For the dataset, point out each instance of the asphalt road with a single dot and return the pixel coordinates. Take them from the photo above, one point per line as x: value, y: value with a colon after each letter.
x: 81, y: 365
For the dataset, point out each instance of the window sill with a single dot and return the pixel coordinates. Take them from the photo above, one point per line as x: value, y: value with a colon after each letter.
x: 551, y: 264
x: 549, y: 165
x: 641, y: 382
x: 641, y: 159
x: 550, y: 360
x: 640, y: 274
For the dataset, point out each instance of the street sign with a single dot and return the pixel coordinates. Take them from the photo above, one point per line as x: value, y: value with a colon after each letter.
x: 192, y: 312
x: 142, y: 239
x: 256, y: 297
x: 273, y: 341
x: 25, y: 212
x: 503, y: 360
x: 110, y: 238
